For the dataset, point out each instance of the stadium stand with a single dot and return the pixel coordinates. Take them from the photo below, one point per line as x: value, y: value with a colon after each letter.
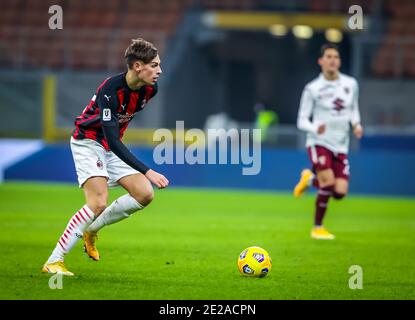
x: 395, y: 56
x: 96, y: 32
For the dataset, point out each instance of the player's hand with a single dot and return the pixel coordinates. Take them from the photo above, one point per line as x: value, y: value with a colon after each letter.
x: 157, y: 179
x: 321, y: 128
x: 358, y: 131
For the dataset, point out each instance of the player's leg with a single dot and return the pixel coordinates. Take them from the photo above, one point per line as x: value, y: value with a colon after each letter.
x: 96, y: 194
x: 307, y: 177
x: 326, y: 182
x: 91, y: 168
x: 341, y: 170
x: 140, y: 194
x: 306, y: 180
x: 341, y: 188
x: 322, y: 160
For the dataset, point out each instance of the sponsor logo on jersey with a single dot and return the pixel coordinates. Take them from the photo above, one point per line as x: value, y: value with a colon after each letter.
x: 323, y: 96
x: 123, y: 118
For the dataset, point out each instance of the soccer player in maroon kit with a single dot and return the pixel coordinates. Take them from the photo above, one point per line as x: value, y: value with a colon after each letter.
x: 102, y: 160
x: 329, y: 107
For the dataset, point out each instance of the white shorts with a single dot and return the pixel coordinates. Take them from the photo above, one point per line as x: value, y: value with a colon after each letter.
x: 92, y: 160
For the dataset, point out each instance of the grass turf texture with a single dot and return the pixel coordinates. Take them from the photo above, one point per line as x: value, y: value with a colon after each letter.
x: 186, y: 243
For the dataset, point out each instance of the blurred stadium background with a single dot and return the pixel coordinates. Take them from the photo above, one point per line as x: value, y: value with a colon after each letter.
x: 243, y: 54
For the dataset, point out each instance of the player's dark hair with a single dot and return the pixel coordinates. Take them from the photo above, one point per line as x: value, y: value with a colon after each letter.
x: 327, y: 46
x: 141, y: 50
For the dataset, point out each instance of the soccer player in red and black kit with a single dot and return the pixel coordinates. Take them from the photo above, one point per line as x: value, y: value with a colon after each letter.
x: 103, y: 161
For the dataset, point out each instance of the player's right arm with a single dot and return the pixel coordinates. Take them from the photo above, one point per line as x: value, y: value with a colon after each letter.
x: 304, y: 114
x: 108, y: 102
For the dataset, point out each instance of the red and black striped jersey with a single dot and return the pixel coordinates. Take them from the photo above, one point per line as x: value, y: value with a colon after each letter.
x: 114, y: 104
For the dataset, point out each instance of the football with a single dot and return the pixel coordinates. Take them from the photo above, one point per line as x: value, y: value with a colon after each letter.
x: 254, y: 262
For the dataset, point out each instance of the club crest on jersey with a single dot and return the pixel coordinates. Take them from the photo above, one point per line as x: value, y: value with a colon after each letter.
x: 338, y: 104
x: 99, y: 164
x: 347, y: 90
x: 322, y: 160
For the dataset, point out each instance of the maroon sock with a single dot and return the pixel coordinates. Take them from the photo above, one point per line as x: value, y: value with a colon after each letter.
x: 322, y: 200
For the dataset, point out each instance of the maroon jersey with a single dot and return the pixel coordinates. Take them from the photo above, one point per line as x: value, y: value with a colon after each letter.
x: 114, y: 104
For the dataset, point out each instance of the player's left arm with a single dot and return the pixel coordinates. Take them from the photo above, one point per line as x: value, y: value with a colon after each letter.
x: 355, y: 116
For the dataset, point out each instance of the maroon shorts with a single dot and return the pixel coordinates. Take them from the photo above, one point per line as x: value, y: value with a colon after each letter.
x: 322, y: 158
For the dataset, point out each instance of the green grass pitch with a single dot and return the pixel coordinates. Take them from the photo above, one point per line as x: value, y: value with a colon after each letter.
x: 186, y: 243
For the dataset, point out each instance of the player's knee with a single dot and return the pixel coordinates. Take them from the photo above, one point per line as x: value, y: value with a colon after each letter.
x: 326, y: 183
x: 144, y: 196
x: 147, y: 197
x: 326, y: 180
x: 98, y: 206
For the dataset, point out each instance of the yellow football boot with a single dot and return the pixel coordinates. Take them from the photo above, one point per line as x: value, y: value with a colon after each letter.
x: 89, y: 245
x: 56, y: 267
x: 321, y: 233
x: 303, y: 184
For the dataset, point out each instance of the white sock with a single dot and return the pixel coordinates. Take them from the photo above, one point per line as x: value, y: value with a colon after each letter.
x: 73, y: 232
x: 120, y: 209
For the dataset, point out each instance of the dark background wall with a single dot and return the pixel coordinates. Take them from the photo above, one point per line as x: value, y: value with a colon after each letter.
x: 237, y: 70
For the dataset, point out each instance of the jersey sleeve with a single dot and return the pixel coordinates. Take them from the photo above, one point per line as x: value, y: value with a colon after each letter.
x: 355, y: 116
x: 112, y: 134
x: 306, y: 109
x: 107, y: 101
